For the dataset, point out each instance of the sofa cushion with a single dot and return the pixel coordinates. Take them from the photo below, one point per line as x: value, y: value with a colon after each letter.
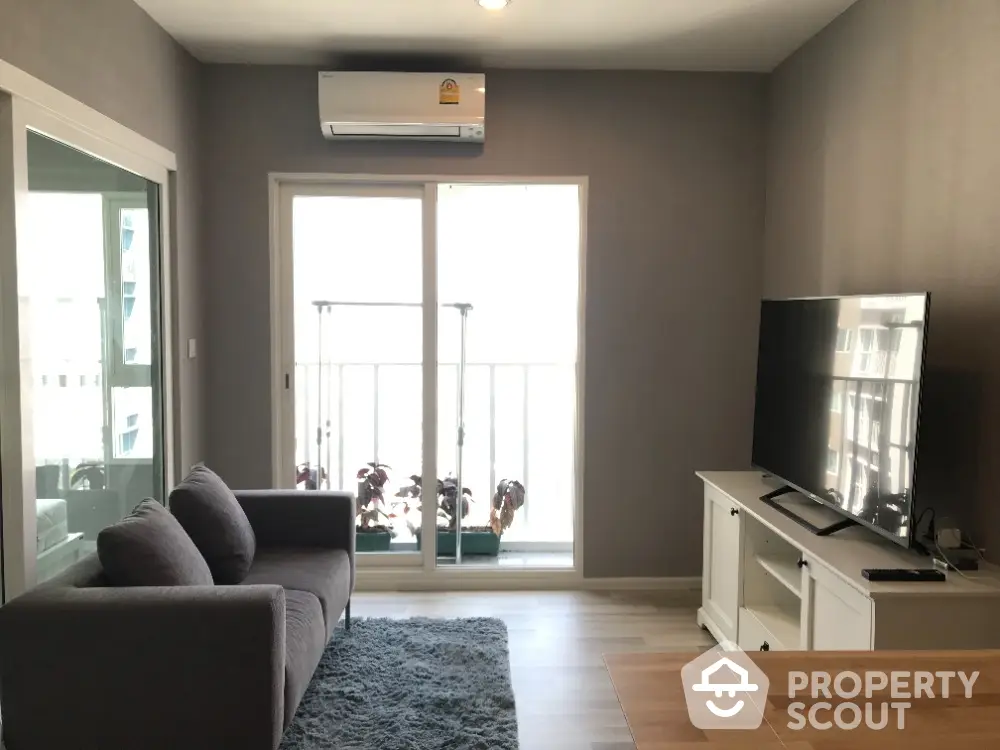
x: 209, y: 512
x: 305, y: 639
x: 86, y: 573
x: 150, y: 548
x: 325, y: 573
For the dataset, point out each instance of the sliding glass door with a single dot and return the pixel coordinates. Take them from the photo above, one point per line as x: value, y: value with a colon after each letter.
x: 84, y: 413
x: 509, y: 254
x: 356, y: 308
x: 431, y: 330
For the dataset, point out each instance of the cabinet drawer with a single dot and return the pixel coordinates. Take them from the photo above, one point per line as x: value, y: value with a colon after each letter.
x: 754, y: 636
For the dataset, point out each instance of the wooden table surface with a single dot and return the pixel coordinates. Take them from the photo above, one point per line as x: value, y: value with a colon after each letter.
x: 652, y: 698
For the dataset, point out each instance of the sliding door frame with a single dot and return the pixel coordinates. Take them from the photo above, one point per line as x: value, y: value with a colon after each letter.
x: 429, y: 575
x: 27, y: 103
x: 283, y: 340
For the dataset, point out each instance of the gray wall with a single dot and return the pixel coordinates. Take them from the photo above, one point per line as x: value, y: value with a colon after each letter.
x: 676, y: 166
x: 884, y: 175
x: 113, y: 57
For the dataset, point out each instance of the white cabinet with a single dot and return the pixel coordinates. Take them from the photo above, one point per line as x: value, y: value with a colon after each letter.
x: 721, y: 582
x: 768, y: 583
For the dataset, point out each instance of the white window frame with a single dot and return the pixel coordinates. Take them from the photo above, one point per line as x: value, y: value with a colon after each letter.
x: 849, y: 335
x: 120, y: 374
x: 27, y: 103
x: 870, y: 352
x: 424, y: 570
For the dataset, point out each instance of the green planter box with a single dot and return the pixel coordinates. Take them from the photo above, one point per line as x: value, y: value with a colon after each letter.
x: 473, y: 543
x: 372, y: 541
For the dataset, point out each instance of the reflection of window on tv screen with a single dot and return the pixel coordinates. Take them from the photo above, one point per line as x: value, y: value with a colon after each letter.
x: 838, y: 387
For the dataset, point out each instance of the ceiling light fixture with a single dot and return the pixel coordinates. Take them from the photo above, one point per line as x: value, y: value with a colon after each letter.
x: 493, y: 4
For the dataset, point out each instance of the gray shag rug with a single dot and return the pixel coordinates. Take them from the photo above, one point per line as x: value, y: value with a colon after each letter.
x: 417, y: 684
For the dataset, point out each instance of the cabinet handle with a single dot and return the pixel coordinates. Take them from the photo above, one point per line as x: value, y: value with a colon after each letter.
x: 803, y: 563
x: 733, y: 511
x: 765, y: 646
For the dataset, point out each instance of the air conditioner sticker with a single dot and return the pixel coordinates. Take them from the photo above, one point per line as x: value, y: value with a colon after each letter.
x: 449, y: 92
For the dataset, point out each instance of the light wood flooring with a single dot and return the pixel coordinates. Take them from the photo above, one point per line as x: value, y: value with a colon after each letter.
x: 650, y: 689
x: 565, y: 699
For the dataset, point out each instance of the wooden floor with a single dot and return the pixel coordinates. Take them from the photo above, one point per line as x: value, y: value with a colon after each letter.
x: 651, y: 691
x: 565, y: 699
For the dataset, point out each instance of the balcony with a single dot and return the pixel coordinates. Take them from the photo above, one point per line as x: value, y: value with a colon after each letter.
x: 519, y: 424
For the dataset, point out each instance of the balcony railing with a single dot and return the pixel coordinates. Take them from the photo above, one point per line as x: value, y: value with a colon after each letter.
x: 519, y: 424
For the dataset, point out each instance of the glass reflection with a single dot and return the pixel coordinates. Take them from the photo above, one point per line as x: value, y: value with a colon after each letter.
x: 90, y: 280
x: 873, y: 408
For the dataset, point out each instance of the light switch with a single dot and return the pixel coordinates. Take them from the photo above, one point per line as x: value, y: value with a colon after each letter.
x: 192, y: 348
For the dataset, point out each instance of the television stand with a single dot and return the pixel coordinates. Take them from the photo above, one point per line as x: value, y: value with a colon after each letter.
x: 771, y: 498
x: 769, y: 584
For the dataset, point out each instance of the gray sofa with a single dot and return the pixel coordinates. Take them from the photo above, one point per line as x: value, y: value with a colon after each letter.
x: 84, y: 665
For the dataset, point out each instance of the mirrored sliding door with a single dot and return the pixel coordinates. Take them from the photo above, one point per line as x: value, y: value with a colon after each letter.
x: 85, y: 397
x: 88, y: 282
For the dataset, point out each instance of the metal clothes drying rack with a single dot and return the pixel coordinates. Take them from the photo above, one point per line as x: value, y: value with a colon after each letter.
x: 326, y: 306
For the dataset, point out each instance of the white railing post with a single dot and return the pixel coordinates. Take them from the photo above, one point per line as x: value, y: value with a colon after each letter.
x: 525, y: 509
x: 319, y: 401
x: 375, y: 412
x: 493, y: 432
x: 340, y: 424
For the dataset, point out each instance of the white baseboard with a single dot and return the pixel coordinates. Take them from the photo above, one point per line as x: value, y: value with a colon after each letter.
x: 375, y: 579
x: 673, y: 583
x: 478, y: 579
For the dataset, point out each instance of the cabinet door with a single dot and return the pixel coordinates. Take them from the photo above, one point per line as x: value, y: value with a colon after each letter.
x: 721, y: 563
x: 840, y: 616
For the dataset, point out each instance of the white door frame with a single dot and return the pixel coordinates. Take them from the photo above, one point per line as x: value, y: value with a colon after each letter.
x: 28, y: 103
x: 281, y: 185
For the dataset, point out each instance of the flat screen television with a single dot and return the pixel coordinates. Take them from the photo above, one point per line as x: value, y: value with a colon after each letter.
x: 838, y: 405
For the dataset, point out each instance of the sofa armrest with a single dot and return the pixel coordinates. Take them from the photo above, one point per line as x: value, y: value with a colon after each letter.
x: 158, y: 668
x: 297, y: 518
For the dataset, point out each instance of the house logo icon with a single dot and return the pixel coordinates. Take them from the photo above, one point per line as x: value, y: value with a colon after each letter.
x: 743, y: 686
x: 724, y: 690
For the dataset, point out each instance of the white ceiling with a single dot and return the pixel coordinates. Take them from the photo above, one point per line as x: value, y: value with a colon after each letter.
x: 750, y: 35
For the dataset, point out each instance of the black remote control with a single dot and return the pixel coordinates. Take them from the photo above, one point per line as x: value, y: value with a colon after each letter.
x: 882, y: 575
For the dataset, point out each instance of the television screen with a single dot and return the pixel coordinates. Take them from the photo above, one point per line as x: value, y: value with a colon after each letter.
x: 838, y: 397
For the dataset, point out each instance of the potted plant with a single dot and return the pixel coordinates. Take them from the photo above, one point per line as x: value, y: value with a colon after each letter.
x: 412, y: 496
x: 372, y: 534
x: 309, y: 478
x: 476, y: 540
x: 507, y: 500
x: 88, y: 475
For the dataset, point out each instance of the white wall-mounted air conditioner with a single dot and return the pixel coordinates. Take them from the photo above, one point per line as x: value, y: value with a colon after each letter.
x: 403, y: 106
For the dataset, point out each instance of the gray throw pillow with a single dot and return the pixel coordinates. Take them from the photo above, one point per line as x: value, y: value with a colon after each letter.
x: 209, y: 512
x: 149, y: 548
